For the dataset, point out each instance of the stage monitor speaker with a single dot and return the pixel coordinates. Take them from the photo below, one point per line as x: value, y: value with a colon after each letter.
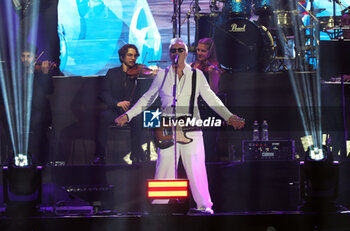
x: 333, y: 60
x: 99, y: 195
x: 268, y: 150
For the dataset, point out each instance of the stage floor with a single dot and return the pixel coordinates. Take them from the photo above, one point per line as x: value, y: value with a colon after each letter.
x: 255, y: 195
x: 258, y: 221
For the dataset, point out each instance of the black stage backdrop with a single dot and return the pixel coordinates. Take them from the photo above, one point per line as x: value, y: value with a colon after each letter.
x: 267, y: 96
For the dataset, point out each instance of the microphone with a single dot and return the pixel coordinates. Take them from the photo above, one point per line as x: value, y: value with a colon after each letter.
x: 176, y: 59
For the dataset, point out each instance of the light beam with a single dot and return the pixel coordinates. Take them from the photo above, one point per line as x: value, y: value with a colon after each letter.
x: 17, y: 85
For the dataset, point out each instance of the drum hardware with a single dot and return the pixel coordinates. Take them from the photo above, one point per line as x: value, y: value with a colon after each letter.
x: 345, y: 22
x: 188, y: 15
x: 277, y: 64
x: 345, y: 9
x: 319, y: 10
x: 311, y: 12
x: 262, y: 8
x: 213, y: 5
x: 307, y: 27
x: 283, y: 58
x: 284, y: 55
x: 284, y: 18
x: 238, y: 8
x: 309, y: 47
x: 306, y: 53
x: 205, y: 25
x: 232, y: 38
x: 173, y: 18
x: 328, y: 22
x: 336, y: 26
x: 346, y: 27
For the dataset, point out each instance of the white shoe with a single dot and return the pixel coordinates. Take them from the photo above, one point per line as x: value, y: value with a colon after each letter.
x: 206, y: 210
x: 209, y: 211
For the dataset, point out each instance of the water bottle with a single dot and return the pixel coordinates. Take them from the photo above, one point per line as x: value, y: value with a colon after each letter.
x: 264, y: 131
x: 256, y: 131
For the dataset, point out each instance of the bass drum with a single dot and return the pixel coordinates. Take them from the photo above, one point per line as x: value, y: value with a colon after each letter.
x: 243, y: 45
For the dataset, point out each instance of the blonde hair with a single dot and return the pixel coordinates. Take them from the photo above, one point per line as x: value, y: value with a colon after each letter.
x: 211, y: 48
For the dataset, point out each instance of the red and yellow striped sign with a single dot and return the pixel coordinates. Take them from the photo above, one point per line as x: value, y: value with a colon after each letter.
x: 167, y: 188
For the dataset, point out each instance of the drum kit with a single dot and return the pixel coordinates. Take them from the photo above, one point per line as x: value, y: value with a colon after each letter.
x: 337, y: 27
x: 260, y: 35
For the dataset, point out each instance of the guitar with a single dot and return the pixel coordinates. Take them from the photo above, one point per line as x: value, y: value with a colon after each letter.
x: 163, y: 136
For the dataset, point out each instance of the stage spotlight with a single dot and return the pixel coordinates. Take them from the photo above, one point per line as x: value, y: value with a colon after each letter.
x: 21, y: 160
x: 314, y: 153
x: 319, y: 179
x: 22, y: 187
x: 168, y: 196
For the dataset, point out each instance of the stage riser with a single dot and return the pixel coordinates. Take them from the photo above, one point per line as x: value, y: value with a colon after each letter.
x: 248, y: 186
x: 222, y: 222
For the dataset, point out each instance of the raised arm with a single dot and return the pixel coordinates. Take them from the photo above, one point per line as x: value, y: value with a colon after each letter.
x: 216, y: 104
x: 145, y: 101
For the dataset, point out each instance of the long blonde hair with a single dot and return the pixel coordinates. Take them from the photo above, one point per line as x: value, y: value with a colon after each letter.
x: 211, y: 48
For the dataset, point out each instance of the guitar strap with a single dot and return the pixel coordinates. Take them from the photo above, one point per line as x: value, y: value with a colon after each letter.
x: 165, y: 75
x: 194, y: 82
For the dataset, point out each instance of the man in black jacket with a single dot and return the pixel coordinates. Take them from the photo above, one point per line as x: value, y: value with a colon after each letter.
x: 118, y: 94
x: 41, y: 117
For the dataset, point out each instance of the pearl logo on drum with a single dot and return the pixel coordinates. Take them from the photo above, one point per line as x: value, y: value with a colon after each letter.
x: 236, y: 28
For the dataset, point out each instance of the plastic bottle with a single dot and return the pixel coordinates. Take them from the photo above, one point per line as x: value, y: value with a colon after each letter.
x: 256, y: 131
x: 264, y: 131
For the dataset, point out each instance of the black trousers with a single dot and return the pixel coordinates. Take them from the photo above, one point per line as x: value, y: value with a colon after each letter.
x: 106, y: 119
x: 38, y: 136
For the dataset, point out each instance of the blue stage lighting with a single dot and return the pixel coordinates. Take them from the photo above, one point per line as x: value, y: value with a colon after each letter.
x: 21, y: 160
x: 17, y: 84
x: 317, y: 154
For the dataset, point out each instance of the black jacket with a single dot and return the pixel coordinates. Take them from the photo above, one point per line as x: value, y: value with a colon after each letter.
x: 42, y: 87
x: 116, y: 87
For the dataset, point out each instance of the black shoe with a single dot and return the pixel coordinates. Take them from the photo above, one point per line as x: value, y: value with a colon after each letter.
x: 99, y: 160
x: 138, y: 159
x: 135, y: 159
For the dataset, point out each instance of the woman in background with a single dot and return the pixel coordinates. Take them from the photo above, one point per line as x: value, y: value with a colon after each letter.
x: 206, y: 61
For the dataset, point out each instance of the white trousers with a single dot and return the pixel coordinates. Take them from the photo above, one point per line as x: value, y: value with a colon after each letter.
x: 193, y: 159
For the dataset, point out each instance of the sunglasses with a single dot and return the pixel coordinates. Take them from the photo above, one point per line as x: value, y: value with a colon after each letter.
x: 180, y: 50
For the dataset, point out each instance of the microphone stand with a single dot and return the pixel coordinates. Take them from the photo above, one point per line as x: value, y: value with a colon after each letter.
x: 196, y: 19
x: 344, y: 70
x: 174, y: 117
x: 173, y: 19
x: 334, y: 13
x: 179, y: 16
x: 344, y: 115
